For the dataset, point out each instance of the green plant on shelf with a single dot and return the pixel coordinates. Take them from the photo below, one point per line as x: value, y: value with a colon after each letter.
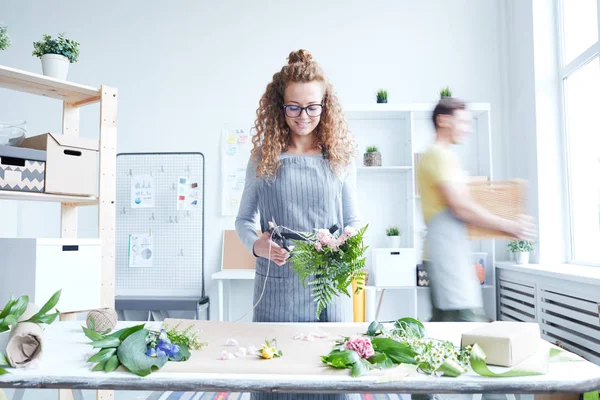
x: 382, y: 96
x: 372, y: 149
x: 520, y: 246
x: 393, y: 231
x: 61, y: 46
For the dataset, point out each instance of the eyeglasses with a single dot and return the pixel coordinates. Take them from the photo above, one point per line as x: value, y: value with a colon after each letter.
x: 313, y: 110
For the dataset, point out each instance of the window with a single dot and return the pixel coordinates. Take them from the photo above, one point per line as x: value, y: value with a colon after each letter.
x: 580, y: 73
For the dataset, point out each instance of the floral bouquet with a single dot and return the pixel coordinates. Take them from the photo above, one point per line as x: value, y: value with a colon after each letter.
x: 332, y: 262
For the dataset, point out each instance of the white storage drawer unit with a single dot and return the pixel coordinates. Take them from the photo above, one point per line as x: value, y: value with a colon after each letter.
x: 395, y: 267
x: 40, y: 267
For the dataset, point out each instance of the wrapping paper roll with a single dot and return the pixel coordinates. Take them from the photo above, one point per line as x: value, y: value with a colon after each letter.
x: 26, y: 341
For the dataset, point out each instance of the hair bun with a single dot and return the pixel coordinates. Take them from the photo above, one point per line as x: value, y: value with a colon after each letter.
x: 300, y: 56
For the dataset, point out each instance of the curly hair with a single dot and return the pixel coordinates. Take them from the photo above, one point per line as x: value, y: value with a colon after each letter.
x: 272, y: 133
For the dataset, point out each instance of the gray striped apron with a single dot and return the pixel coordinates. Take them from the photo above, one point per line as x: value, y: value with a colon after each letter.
x: 453, y: 279
x: 306, y: 195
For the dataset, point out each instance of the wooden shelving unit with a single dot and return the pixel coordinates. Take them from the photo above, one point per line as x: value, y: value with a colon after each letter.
x: 73, y: 97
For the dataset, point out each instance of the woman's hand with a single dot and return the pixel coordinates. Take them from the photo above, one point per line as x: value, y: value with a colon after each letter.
x: 279, y: 255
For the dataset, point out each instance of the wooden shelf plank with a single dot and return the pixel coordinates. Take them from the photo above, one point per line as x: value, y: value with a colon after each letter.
x: 45, y: 197
x: 73, y: 93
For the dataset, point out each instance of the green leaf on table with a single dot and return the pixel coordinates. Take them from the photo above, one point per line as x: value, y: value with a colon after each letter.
x: 381, y: 360
x: 112, y: 364
x: 374, y: 329
x: 7, y: 322
x: 341, y: 359
x: 182, y: 355
x: 3, y: 371
x: 411, y: 326
x: 92, y: 334
x: 19, y: 307
x: 132, y: 354
x: 44, y: 319
x: 100, y: 366
x: 108, y: 342
x: 4, y: 360
x: 123, y: 334
x: 595, y: 395
x: 50, y: 304
x: 398, y: 352
x: 360, y: 368
x: 7, y: 307
x: 102, y: 355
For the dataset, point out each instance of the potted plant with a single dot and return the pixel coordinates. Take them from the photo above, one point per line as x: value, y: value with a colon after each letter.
x: 393, y: 236
x: 56, y: 54
x: 382, y: 96
x: 446, y: 92
x: 4, y: 38
x: 521, y: 249
x: 372, y: 157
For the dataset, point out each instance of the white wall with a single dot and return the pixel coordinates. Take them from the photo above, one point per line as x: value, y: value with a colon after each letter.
x: 185, y: 71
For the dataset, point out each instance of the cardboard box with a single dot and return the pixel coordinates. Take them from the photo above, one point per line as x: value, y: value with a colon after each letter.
x: 70, y: 163
x: 505, y: 343
x: 22, y: 170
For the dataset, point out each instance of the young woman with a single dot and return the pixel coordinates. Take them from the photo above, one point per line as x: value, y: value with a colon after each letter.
x: 301, y: 175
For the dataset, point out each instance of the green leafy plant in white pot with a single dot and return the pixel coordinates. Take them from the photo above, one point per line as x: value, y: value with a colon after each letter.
x: 4, y: 38
x: 521, y: 250
x: 393, y: 237
x: 382, y: 96
x: 56, y: 55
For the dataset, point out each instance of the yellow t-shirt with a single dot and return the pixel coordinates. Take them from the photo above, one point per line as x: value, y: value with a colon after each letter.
x: 438, y: 164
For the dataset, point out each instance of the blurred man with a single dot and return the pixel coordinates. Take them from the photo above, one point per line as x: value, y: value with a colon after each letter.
x: 447, y: 209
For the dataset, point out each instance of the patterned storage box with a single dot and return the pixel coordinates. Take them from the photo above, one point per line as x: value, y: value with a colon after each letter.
x: 22, y: 169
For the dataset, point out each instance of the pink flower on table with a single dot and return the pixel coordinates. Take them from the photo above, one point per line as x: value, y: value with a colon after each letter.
x: 318, y: 246
x: 324, y: 237
x: 362, y: 345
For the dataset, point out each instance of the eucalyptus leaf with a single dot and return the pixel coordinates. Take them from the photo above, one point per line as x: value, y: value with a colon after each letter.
x: 112, y: 364
x: 398, y: 352
x: 102, y: 355
x: 132, y: 354
x: 182, y: 355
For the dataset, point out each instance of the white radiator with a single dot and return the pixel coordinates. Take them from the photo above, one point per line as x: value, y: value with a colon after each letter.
x: 571, y: 320
x: 516, y: 302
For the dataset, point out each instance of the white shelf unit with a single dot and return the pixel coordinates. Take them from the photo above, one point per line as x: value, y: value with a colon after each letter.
x: 387, y: 195
x: 73, y: 97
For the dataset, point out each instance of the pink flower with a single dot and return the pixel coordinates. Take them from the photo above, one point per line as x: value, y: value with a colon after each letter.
x: 349, y: 231
x: 324, y: 236
x: 318, y: 246
x: 362, y: 345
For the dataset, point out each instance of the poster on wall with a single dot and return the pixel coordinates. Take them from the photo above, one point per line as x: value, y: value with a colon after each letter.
x: 235, y: 152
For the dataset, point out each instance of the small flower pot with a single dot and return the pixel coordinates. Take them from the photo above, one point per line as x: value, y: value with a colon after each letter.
x: 55, y: 66
x: 393, y: 242
x: 381, y: 101
x: 372, y: 159
x: 522, y: 257
x: 4, y: 336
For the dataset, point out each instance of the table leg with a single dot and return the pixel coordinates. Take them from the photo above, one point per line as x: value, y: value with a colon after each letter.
x: 220, y: 298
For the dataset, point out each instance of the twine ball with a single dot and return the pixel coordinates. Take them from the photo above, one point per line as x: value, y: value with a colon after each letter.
x: 105, y: 319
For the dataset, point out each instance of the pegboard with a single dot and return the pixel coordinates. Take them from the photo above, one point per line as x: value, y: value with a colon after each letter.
x: 160, y: 202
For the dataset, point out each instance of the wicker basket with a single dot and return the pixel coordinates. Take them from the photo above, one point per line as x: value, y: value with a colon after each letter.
x: 503, y: 198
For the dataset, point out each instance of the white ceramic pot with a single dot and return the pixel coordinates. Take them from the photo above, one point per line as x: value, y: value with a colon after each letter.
x: 522, y: 257
x: 55, y: 66
x: 4, y: 336
x: 393, y: 242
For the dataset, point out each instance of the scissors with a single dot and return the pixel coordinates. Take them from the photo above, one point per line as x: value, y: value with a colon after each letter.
x: 281, y: 238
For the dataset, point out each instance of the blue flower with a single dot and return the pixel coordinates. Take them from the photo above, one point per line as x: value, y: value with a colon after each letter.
x: 162, y: 336
x: 155, y: 353
x: 168, y: 348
